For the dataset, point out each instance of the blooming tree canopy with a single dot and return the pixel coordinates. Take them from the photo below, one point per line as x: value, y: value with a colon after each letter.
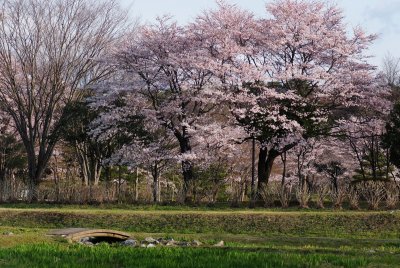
x: 284, y: 76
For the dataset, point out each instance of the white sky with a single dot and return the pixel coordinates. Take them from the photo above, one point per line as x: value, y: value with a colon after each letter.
x: 374, y: 16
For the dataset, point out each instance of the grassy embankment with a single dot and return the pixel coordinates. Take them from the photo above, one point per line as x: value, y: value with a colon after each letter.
x: 254, y: 238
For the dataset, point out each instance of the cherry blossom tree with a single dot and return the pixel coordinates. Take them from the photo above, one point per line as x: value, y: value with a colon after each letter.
x: 137, y: 139
x: 165, y: 71
x: 335, y: 160
x: 284, y: 76
x: 151, y: 145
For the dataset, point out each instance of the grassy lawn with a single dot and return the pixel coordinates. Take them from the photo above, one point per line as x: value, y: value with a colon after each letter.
x: 261, y: 238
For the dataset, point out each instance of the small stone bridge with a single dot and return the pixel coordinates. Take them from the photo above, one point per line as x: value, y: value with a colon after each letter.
x: 76, y: 234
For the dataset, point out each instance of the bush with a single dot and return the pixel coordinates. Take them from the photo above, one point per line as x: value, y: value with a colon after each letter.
x: 373, y: 192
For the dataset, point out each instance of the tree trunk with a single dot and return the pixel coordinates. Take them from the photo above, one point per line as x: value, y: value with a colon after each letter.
x: 243, y: 191
x: 3, y: 185
x: 187, y: 166
x: 137, y: 185
x: 95, y: 171
x: 37, y: 161
x: 80, y: 151
x: 253, y: 173
x: 159, y: 189
x: 262, y: 168
x: 155, y: 183
x: 187, y: 171
x: 269, y: 164
x: 299, y: 172
x: 33, y: 191
x: 265, y: 163
x: 34, y: 176
x: 119, y: 183
x: 2, y: 190
x: 284, y: 169
x: 90, y: 165
x: 12, y: 186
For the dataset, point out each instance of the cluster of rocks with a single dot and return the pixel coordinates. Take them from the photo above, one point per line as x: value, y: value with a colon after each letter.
x: 150, y: 242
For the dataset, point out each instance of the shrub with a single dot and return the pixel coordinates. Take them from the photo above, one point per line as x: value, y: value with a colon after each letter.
x: 392, y: 194
x: 373, y: 192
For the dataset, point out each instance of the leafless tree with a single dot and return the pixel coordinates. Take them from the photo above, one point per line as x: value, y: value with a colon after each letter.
x: 50, y: 51
x: 391, y: 69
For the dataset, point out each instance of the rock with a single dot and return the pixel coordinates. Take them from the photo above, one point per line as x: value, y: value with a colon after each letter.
x: 84, y: 240
x: 8, y: 233
x: 150, y: 240
x: 88, y: 243
x: 183, y: 244
x: 162, y: 241
x: 371, y: 251
x: 129, y: 243
x: 220, y: 244
x: 196, y: 243
x: 151, y: 246
x: 171, y: 243
x: 101, y: 243
x: 143, y: 245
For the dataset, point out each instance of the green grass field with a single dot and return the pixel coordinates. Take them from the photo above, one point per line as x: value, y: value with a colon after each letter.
x: 254, y: 238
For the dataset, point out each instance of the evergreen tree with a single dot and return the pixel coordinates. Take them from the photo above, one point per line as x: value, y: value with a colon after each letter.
x: 374, y: 164
x: 391, y: 139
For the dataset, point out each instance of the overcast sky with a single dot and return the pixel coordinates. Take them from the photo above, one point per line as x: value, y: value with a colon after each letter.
x: 375, y: 16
